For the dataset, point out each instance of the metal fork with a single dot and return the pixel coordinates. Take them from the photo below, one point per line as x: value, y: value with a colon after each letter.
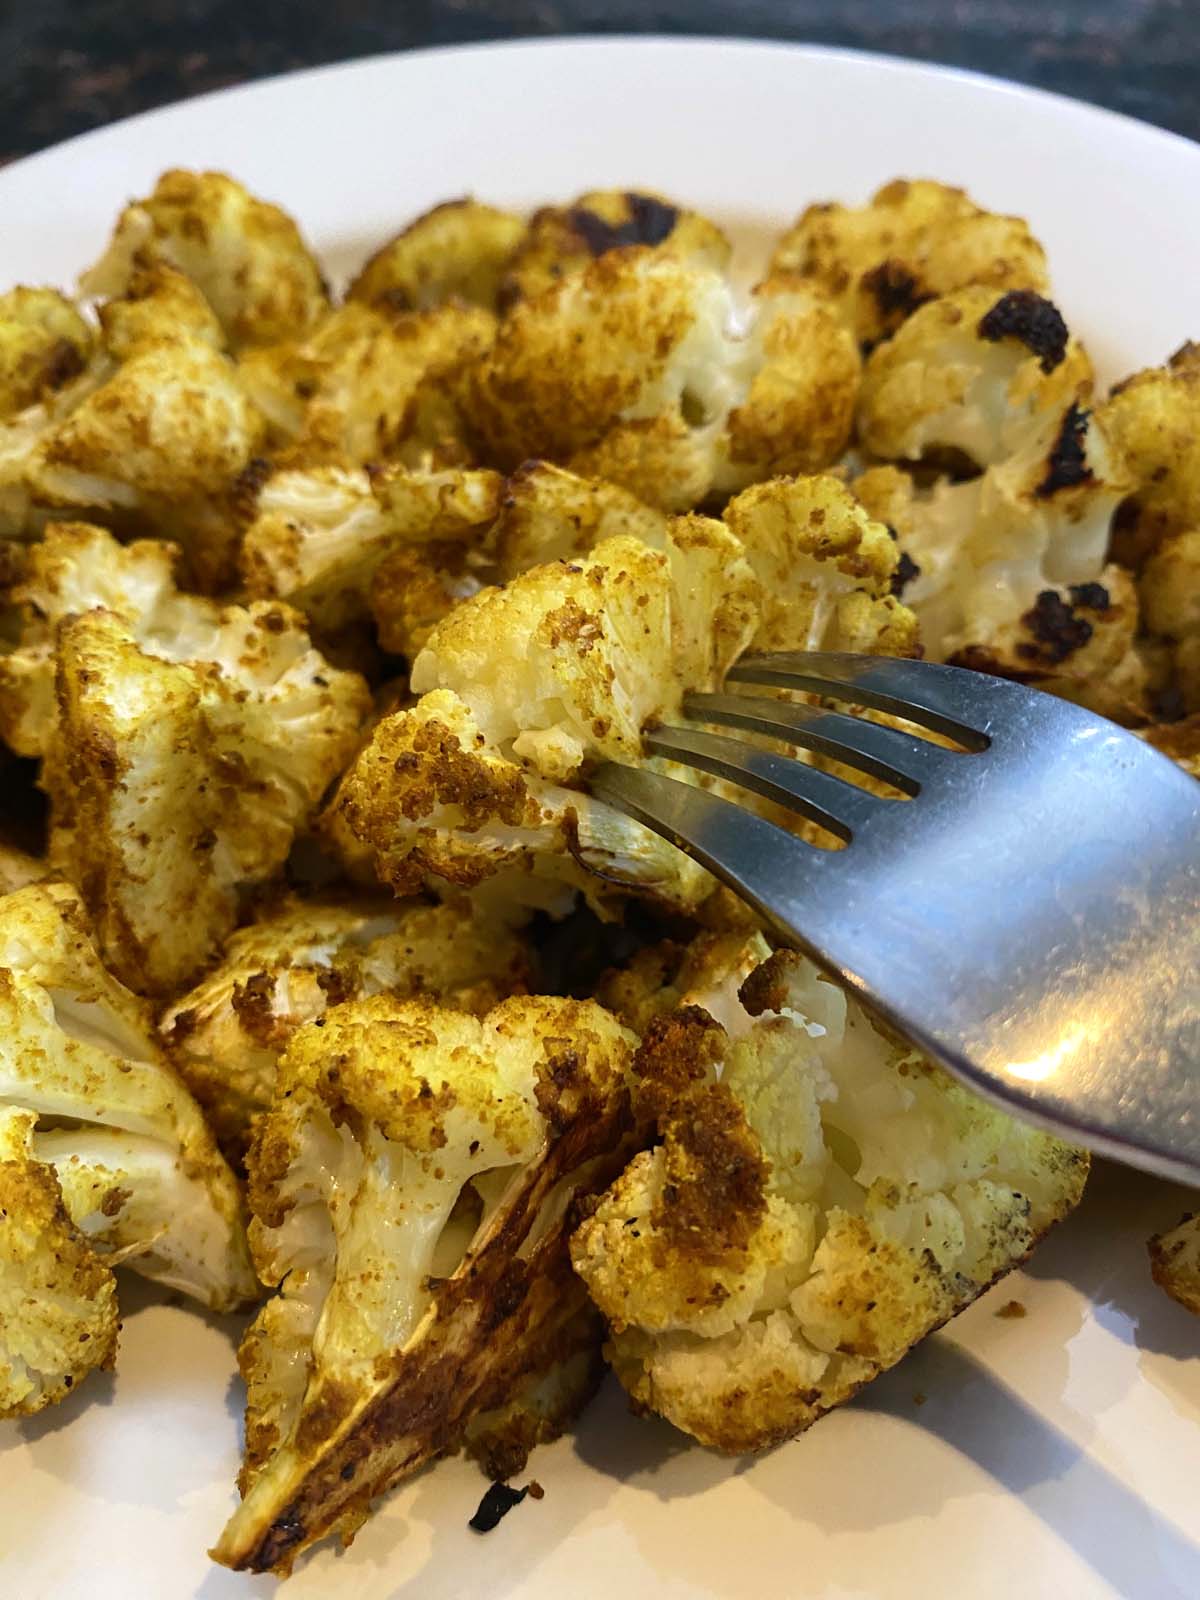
x: 1030, y: 917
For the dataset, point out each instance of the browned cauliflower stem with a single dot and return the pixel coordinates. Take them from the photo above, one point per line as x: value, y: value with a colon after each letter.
x: 385, y: 578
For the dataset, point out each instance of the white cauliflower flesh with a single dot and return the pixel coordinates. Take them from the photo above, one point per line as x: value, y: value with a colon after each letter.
x: 58, y: 1298
x: 1175, y: 1263
x: 1007, y: 571
x: 287, y: 967
x: 244, y: 255
x: 973, y: 372
x: 820, y: 1198
x: 411, y: 1188
x: 632, y: 370
x: 189, y: 744
x: 913, y: 241
x: 319, y: 534
x: 139, y: 1174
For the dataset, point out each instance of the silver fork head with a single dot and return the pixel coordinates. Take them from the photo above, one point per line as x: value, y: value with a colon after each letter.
x: 1030, y: 916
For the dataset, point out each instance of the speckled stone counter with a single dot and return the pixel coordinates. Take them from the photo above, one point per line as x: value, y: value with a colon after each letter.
x: 70, y: 65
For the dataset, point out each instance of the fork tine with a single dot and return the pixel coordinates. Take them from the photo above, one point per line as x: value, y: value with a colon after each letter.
x: 745, y: 851
x: 841, y: 807
x: 901, y: 759
x: 950, y: 700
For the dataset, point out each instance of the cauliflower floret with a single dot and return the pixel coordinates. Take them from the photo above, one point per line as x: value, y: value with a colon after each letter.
x: 798, y: 412
x: 458, y: 250
x: 411, y: 1188
x: 1179, y: 740
x: 189, y: 744
x: 1175, y: 1263
x: 630, y: 370
x: 319, y: 534
x: 368, y: 384
x: 159, y: 305
x: 467, y: 781
x: 44, y: 344
x: 548, y: 514
x: 1169, y: 589
x: 1153, y: 418
x: 915, y: 240
x: 139, y: 1173
x: 560, y: 240
x: 245, y: 255
x: 1006, y: 572
x: 286, y: 968
x: 416, y: 586
x: 58, y: 1299
x: 826, y: 571
x: 973, y: 372
x: 819, y: 1199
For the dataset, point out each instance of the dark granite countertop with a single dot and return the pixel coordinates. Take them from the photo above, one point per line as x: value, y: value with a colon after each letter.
x: 70, y: 65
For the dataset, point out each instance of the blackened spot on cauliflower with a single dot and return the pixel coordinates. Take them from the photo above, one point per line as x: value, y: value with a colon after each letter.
x: 1031, y: 318
x: 1092, y: 596
x: 895, y: 291
x: 1067, y: 466
x: 1058, y: 631
x: 906, y: 570
x: 649, y: 222
x: 497, y: 1502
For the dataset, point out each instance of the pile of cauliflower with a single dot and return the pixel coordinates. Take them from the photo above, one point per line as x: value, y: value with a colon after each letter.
x: 317, y: 613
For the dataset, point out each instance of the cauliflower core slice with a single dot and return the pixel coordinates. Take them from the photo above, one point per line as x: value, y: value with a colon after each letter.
x: 1175, y: 1263
x: 288, y: 967
x: 137, y: 1169
x: 630, y: 370
x: 818, y: 1201
x: 245, y: 256
x: 411, y: 1188
x: 912, y: 242
x: 973, y: 372
x: 58, y: 1299
x: 189, y: 744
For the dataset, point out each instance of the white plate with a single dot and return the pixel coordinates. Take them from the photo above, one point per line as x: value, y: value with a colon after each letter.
x: 1052, y: 1455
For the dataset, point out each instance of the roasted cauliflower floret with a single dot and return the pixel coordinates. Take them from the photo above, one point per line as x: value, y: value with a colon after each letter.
x: 1169, y: 589
x: 44, y: 344
x: 139, y: 1173
x: 58, y: 1299
x: 826, y: 571
x: 1006, y: 572
x: 630, y: 370
x: 913, y: 241
x: 560, y: 240
x: 972, y: 372
x: 158, y: 305
x: 411, y: 1188
x: 245, y: 255
x: 290, y: 965
x: 319, y: 534
x: 368, y: 383
x: 416, y: 586
x: 1179, y: 740
x: 1175, y: 1263
x: 1153, y: 418
x: 458, y: 250
x: 818, y: 1200
x: 548, y: 514
x: 189, y: 743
